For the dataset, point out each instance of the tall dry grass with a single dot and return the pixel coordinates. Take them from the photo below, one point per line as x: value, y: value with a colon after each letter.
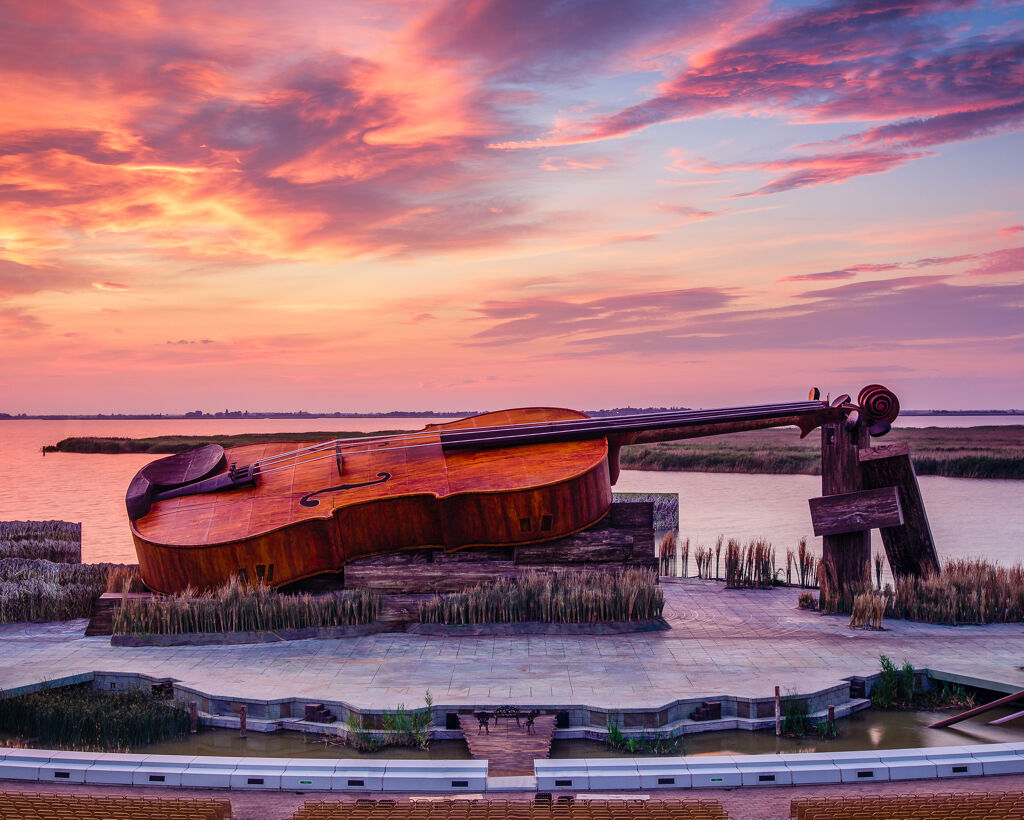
x: 667, y: 553
x: 703, y: 555
x: 806, y: 564
x: 751, y: 566
x: 39, y: 590
x: 59, y: 541
x: 684, y: 558
x: 967, y: 591
x: 237, y: 607
x: 574, y: 597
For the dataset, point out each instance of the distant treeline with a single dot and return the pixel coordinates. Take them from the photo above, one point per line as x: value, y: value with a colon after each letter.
x: 995, y: 451
x: 163, y: 445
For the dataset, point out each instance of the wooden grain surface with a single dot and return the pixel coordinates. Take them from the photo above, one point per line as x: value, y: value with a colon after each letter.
x: 856, y: 512
x: 497, y: 496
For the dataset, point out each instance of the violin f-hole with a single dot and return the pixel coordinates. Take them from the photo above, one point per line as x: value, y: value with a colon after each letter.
x: 309, y: 501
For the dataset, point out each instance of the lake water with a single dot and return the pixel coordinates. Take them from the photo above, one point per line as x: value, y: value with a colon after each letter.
x: 969, y: 517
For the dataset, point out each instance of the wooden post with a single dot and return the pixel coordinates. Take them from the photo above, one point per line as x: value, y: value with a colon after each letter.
x: 241, y: 721
x: 193, y: 717
x: 849, y: 552
x: 778, y: 713
x: 831, y: 717
x: 909, y: 545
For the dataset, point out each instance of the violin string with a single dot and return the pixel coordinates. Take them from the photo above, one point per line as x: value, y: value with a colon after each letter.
x: 578, y: 423
x: 432, y: 443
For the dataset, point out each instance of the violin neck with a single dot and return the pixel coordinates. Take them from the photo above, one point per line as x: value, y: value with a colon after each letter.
x: 652, y: 427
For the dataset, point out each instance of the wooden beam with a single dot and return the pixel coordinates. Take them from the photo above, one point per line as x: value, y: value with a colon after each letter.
x: 856, y: 512
x: 850, y: 552
x: 910, y: 547
x: 1006, y: 718
x: 977, y: 710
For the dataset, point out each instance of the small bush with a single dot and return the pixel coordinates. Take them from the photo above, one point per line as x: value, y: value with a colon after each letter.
x: 807, y: 601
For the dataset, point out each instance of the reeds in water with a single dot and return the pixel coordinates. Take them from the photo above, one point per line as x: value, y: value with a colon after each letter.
x: 574, y: 597
x: 39, y: 590
x: 238, y: 607
x: 45, y: 540
x: 81, y: 718
x: 751, y: 566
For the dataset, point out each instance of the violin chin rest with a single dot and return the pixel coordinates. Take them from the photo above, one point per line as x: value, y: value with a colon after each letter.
x: 170, y: 472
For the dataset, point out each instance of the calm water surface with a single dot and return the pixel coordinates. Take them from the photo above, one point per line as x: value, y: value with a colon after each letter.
x: 969, y: 517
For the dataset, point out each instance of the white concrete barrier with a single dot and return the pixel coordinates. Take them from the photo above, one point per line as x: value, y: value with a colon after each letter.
x: 23, y: 764
x: 613, y: 773
x: 860, y: 767
x: 762, y: 770
x: 569, y: 773
x: 259, y: 773
x: 999, y: 758
x: 359, y: 775
x: 208, y: 772
x: 907, y: 764
x: 807, y: 768
x: 109, y: 768
x: 161, y: 770
x: 954, y: 761
x: 66, y: 767
x: 713, y: 773
x: 435, y: 775
x: 308, y: 773
x: 663, y: 773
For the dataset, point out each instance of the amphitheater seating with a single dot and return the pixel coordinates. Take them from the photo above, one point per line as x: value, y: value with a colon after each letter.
x: 512, y: 810
x: 68, y: 806
x: 951, y: 806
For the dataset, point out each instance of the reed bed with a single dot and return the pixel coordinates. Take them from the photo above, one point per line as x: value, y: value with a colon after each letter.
x: 868, y: 610
x: 967, y: 591
x: 85, y: 719
x: 46, y: 540
x: 684, y: 557
x: 806, y: 564
x: 38, y: 590
x: 125, y: 578
x: 751, y: 566
x: 239, y: 607
x: 574, y: 597
x: 834, y: 598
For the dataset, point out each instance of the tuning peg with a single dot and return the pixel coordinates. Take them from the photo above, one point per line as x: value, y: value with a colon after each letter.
x: 839, y: 401
x: 852, y: 420
x: 879, y: 428
x: 814, y: 395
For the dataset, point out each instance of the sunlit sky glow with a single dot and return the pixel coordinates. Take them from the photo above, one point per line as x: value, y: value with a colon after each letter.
x: 373, y: 204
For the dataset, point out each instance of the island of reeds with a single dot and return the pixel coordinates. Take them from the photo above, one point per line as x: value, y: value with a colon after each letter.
x: 84, y: 719
x: 41, y: 574
x: 960, y: 452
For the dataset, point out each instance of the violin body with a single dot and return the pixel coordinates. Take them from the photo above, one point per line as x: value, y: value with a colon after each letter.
x: 315, y: 516
x: 274, y: 513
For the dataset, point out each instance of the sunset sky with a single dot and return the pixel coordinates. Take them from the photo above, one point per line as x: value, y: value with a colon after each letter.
x: 493, y: 203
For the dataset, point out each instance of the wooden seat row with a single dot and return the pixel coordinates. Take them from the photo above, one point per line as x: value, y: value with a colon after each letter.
x: 949, y: 806
x: 71, y: 806
x: 511, y: 810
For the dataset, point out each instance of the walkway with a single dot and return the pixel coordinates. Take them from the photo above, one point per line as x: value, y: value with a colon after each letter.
x: 509, y: 749
x: 722, y: 642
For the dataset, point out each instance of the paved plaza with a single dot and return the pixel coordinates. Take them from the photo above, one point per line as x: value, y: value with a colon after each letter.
x: 722, y: 642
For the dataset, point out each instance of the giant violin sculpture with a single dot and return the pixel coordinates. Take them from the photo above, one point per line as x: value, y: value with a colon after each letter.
x: 276, y: 514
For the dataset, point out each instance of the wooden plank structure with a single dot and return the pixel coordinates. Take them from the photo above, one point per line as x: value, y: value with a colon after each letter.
x: 622, y: 539
x: 977, y: 710
x: 909, y: 545
x: 509, y: 749
x: 864, y: 488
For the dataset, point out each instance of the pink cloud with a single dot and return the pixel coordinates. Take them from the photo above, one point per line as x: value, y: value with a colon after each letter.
x: 115, y: 286
x: 1011, y: 229
x: 576, y: 164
